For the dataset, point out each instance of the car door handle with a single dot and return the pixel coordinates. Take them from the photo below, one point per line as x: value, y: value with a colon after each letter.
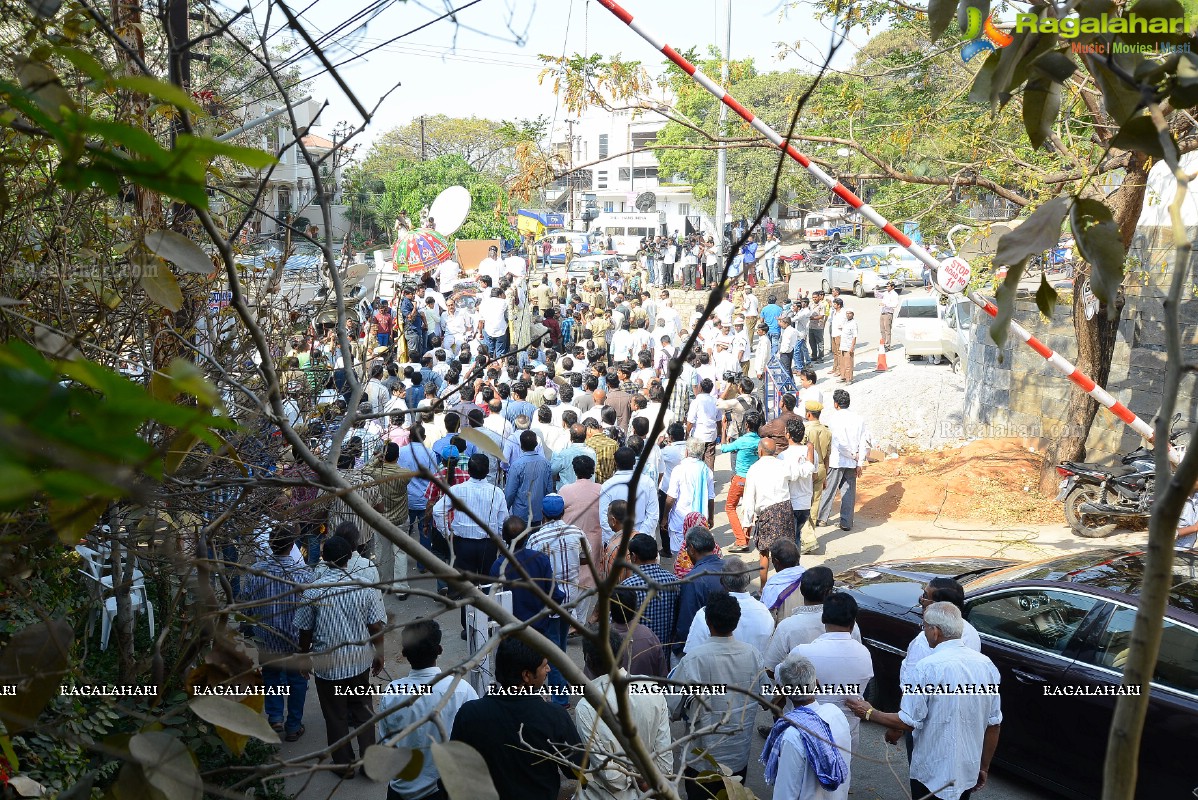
x: 1027, y: 677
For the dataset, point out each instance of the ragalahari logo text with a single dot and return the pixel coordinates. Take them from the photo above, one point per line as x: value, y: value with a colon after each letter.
x: 982, y: 37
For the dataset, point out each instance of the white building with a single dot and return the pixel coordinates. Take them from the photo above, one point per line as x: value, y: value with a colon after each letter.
x: 291, y: 187
x: 624, y: 176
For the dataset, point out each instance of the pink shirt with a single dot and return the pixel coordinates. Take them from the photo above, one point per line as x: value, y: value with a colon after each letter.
x: 582, y: 510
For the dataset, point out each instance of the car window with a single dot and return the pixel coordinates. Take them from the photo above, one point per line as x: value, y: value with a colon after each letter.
x: 917, y: 310
x: 1177, y: 665
x: 1039, y: 618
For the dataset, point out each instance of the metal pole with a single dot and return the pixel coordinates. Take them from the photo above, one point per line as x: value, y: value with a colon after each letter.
x: 721, y: 162
x: 254, y: 123
x: 1058, y: 362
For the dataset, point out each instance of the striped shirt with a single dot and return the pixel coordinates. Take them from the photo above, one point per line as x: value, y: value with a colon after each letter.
x: 339, y: 510
x: 563, y: 544
x: 338, y: 611
x: 275, y: 597
x: 660, y: 612
x: 483, y: 498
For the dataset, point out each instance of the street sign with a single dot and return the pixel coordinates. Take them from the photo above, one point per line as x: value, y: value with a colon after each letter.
x: 1089, y: 301
x: 218, y: 300
x: 953, y: 275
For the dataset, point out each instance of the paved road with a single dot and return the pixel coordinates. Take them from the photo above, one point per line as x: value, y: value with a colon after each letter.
x: 879, y: 770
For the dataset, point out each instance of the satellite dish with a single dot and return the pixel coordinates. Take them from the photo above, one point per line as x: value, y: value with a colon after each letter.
x: 646, y: 201
x: 449, y: 210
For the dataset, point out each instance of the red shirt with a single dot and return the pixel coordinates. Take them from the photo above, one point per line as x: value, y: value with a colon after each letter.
x: 384, y: 320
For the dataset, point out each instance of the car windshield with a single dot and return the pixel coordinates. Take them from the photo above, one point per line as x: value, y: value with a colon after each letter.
x: 864, y: 261
x: 917, y: 310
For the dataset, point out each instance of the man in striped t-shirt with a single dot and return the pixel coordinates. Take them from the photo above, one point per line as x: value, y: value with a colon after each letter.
x: 340, y: 623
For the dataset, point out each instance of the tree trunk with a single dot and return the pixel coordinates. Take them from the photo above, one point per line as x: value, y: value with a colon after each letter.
x: 1096, y: 338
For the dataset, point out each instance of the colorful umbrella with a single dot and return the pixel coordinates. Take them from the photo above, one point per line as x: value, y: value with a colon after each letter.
x: 420, y: 249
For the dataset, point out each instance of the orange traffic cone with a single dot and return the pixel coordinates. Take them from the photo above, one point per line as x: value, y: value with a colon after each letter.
x: 882, y: 359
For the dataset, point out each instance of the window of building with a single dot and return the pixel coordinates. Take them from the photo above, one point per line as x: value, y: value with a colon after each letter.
x: 684, y: 209
x: 601, y: 179
x: 637, y: 173
x: 609, y: 206
x: 603, y: 145
x: 642, y: 139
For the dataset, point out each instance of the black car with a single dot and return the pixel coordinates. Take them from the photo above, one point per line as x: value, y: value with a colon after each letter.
x: 1058, y: 632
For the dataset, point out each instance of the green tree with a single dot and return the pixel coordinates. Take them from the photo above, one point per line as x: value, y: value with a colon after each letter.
x: 413, y: 185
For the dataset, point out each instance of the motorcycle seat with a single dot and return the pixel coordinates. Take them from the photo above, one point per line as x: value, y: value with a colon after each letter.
x: 1089, y: 466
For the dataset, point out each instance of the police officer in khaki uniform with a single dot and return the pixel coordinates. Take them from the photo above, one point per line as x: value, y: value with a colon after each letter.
x: 820, y: 438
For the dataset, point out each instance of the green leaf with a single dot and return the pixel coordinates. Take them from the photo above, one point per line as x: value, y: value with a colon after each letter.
x: 168, y: 765
x: 1156, y: 9
x: 1026, y: 68
x: 463, y: 771
x: 160, y: 90
x: 35, y: 659
x: 1139, y: 133
x: 383, y: 762
x: 16, y: 483
x: 251, y: 157
x: 1038, y: 233
x: 134, y: 139
x: 1004, y: 300
x: 43, y: 85
x: 1120, y: 100
x: 236, y: 717
x: 179, y: 250
x: 983, y: 83
x: 940, y: 14
x: 189, y: 378
x: 1056, y: 65
x: 1100, y: 244
x: 178, y: 449
x: 1041, y: 103
x: 1046, y: 296
x: 74, y: 520
x: 161, y: 287
x: 83, y: 62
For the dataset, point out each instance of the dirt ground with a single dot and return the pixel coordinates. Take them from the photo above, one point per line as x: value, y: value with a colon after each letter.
x: 988, y: 480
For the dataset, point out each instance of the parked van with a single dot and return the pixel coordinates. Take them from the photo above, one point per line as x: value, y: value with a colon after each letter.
x: 925, y: 327
x: 557, y: 240
x: 625, y: 231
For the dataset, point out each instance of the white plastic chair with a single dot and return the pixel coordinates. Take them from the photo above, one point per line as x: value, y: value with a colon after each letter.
x: 98, y: 564
x: 138, y: 601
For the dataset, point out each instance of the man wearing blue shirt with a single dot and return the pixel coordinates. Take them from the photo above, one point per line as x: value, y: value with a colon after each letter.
x: 745, y: 449
x: 413, y: 324
x: 529, y: 479
x: 415, y: 456
x: 770, y: 316
x: 700, y: 582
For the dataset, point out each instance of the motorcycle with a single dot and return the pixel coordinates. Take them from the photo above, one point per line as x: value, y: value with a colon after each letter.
x: 1097, y: 498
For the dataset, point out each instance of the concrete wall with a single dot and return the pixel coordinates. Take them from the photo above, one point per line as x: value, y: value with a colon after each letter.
x: 1012, y: 391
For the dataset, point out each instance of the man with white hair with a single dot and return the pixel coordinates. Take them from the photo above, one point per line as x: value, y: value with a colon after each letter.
x: 952, y: 708
x: 756, y: 622
x: 806, y: 753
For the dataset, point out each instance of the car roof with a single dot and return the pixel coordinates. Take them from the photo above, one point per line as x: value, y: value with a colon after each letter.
x: 921, y: 301
x: 1118, y: 571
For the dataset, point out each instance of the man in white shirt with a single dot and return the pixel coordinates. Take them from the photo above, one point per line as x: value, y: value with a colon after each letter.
x: 756, y: 622
x: 835, y: 323
x: 447, y: 275
x: 724, y: 311
x: 849, y: 332
x: 806, y: 622
x: 890, y: 304
x: 938, y: 590
x: 956, y: 729
x: 621, y: 344
x: 668, y: 258
x: 810, y: 745
x: 740, y: 345
x: 788, y: 343
x: 723, y: 354
x: 437, y: 704
x: 667, y: 312
x: 838, y: 659
x: 492, y: 323
x: 702, y: 420
x: 799, y: 464
x: 751, y: 310
x: 761, y: 351
x: 514, y: 266
x: 491, y: 266
x: 850, y: 447
x: 617, y: 487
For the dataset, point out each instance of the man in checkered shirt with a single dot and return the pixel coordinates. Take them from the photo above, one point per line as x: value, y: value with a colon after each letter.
x: 661, y: 611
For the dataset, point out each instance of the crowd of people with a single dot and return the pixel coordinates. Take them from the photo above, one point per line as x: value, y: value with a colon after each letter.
x: 536, y: 467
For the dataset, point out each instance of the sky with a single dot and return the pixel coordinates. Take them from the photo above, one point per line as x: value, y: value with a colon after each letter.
x: 486, y: 65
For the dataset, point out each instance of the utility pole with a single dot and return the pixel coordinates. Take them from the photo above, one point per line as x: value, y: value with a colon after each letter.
x: 570, y: 123
x: 422, y: 157
x: 721, y: 164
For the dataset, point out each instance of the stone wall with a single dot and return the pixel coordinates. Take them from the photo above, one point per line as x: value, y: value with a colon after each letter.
x: 1012, y: 391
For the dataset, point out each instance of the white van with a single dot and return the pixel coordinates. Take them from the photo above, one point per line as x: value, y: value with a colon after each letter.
x: 625, y: 231
x: 557, y: 241
x: 925, y: 327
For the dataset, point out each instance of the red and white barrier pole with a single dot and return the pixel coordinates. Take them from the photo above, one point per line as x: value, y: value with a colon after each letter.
x: 957, y: 275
